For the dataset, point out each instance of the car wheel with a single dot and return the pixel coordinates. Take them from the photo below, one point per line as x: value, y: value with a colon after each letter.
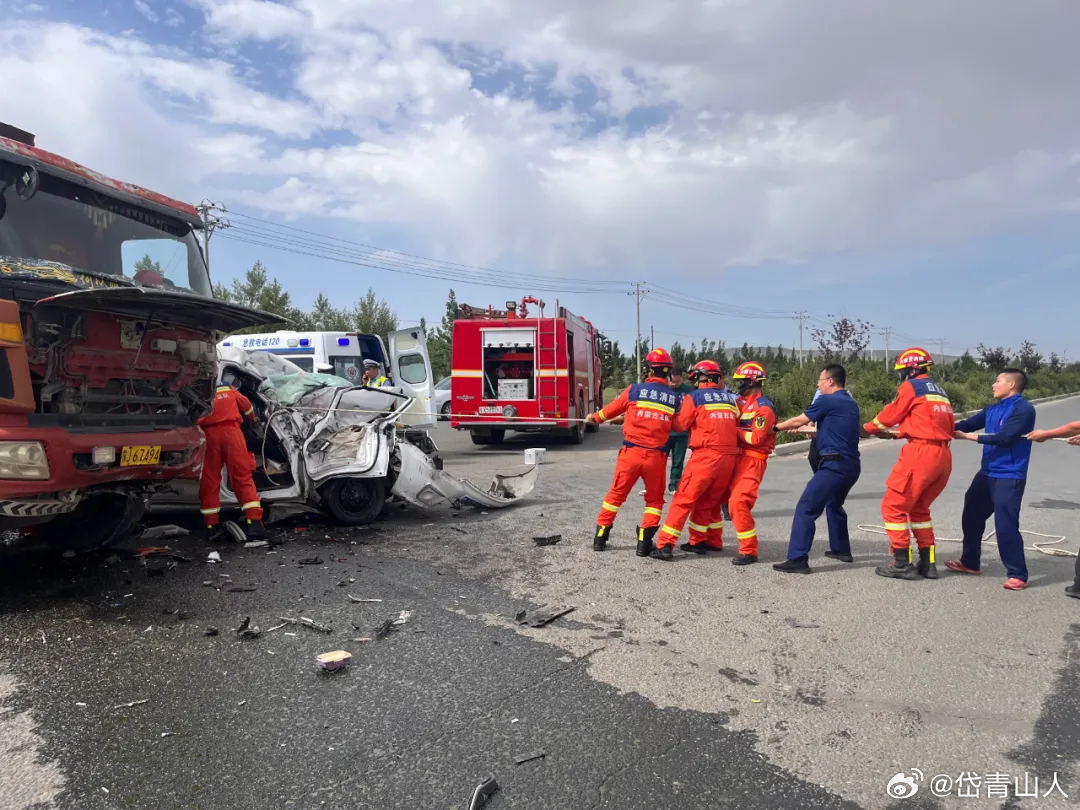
x: 444, y: 412
x: 479, y: 438
x: 497, y: 437
x: 354, y: 501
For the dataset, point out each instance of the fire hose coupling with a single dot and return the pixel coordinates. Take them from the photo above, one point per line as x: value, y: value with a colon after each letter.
x: 510, y: 412
x: 23, y: 461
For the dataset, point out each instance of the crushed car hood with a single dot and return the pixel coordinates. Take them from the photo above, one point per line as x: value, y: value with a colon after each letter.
x: 168, y: 308
x: 421, y: 484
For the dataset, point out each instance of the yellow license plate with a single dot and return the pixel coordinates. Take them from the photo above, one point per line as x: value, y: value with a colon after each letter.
x: 140, y: 456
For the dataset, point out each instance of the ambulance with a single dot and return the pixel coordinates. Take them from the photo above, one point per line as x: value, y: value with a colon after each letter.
x: 406, y: 364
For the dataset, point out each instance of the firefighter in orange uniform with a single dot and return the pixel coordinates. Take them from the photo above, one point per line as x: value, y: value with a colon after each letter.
x: 923, y: 415
x: 757, y: 439
x: 649, y: 409
x: 711, y: 414
x: 225, y: 446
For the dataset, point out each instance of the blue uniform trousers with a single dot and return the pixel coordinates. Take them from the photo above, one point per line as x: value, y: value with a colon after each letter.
x: 1001, y: 498
x: 825, y: 492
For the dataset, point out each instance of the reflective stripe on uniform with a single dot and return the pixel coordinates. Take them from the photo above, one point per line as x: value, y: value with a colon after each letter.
x: 251, y: 505
x: 222, y: 388
x: 671, y: 531
x: 655, y: 406
x: 720, y: 406
x: 600, y: 415
x: 213, y: 511
x: 249, y: 412
x: 878, y: 423
x: 748, y: 436
x: 651, y: 510
x: 896, y: 527
x: 695, y: 527
x: 747, y: 534
x: 714, y: 526
x: 610, y: 508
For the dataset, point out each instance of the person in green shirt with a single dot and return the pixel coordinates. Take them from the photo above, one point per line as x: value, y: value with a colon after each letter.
x: 678, y: 442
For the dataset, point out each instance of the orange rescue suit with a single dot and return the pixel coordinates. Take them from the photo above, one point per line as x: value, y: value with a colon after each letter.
x: 712, y: 418
x: 649, y: 409
x: 923, y: 415
x: 225, y: 446
x: 757, y: 418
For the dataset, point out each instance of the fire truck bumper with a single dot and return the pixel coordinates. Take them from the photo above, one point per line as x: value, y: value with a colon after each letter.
x: 523, y: 426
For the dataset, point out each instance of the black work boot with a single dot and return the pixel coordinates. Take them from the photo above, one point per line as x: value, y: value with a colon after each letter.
x: 214, y: 534
x: 842, y: 557
x: 799, y: 565
x: 744, y: 559
x: 694, y: 548
x: 1073, y: 590
x: 665, y: 553
x: 255, y: 530
x: 927, y: 567
x: 645, y: 540
x: 901, y: 567
x: 599, y: 542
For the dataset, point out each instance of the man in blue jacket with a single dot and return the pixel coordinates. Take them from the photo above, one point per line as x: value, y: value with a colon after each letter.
x: 998, y: 487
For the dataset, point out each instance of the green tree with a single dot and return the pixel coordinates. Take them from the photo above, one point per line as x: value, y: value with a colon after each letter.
x: 373, y: 316
x: 325, y: 317
x: 440, y: 340
x: 147, y: 263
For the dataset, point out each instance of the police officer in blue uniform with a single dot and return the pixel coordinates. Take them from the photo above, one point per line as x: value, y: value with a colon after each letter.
x: 838, y: 430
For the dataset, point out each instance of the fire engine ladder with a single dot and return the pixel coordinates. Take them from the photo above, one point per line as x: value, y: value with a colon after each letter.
x: 547, y: 368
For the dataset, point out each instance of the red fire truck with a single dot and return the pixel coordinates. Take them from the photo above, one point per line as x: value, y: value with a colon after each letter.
x: 511, y: 371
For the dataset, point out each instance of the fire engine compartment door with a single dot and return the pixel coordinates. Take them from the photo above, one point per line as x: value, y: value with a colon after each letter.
x: 411, y: 365
x: 509, y: 338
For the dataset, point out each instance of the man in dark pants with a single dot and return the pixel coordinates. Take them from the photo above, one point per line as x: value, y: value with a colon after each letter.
x: 678, y: 442
x: 998, y: 487
x: 838, y: 430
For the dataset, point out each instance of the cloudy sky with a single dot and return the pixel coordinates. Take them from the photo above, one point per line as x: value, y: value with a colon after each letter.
x: 913, y: 164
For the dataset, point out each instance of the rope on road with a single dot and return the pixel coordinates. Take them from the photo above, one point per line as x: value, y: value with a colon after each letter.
x: 1053, y: 540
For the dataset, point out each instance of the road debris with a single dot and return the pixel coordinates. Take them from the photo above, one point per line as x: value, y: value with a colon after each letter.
x: 403, y: 618
x: 81, y: 705
x: 311, y: 561
x: 383, y: 630
x: 541, y: 616
x: 306, y: 622
x: 484, y: 791
x: 458, y: 529
x: 793, y: 622
x: 247, y: 630
x: 165, y: 734
x: 256, y: 544
x: 211, y: 631
x: 547, y: 541
x: 156, y: 567
x: 162, y: 532
x: 236, y: 532
x: 540, y: 754
x: 333, y: 661
x: 207, y: 583
x: 43, y: 640
x: 213, y: 557
x: 241, y: 588
x: 133, y: 703
x: 361, y: 601
x: 345, y: 582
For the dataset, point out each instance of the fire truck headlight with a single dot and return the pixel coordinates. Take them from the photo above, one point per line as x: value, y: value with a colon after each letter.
x: 509, y: 412
x: 23, y: 460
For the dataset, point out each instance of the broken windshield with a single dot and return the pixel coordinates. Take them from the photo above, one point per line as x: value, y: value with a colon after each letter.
x: 67, y: 224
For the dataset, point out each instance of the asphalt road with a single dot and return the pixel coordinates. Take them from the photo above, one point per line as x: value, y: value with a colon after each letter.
x: 669, y: 685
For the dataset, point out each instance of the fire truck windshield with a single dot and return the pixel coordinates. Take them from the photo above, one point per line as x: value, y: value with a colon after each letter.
x: 83, y: 230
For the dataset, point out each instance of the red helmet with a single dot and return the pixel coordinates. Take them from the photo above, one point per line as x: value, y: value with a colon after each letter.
x: 755, y: 372
x: 706, y: 368
x: 913, y: 358
x: 659, y: 358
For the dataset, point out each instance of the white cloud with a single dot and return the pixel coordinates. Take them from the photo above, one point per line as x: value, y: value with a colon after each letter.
x: 790, y: 129
x: 143, y: 8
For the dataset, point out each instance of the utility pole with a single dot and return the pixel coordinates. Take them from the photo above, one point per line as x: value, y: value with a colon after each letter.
x: 210, y: 213
x: 801, y: 318
x: 887, y: 332
x: 637, y: 293
x: 652, y: 338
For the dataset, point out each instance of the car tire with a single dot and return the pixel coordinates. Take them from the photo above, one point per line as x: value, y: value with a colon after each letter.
x: 479, y: 438
x: 354, y: 501
x: 497, y: 437
x: 577, y: 432
x: 444, y: 412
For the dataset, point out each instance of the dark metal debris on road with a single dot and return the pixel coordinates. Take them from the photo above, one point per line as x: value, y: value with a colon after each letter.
x: 241, y: 588
x: 791, y: 620
x: 211, y: 631
x: 256, y: 544
x: 162, y: 532
x: 361, y: 601
x: 247, y: 630
x: 306, y: 622
x: 133, y: 703
x: 484, y: 791
x: 540, y: 754
x: 311, y: 561
x: 547, y: 541
x: 541, y: 616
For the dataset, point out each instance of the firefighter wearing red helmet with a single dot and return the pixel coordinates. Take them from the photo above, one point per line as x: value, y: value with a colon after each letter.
x: 922, y: 414
x: 649, y: 409
x: 711, y: 415
x: 757, y: 439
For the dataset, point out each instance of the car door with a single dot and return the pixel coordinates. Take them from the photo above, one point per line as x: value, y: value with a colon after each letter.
x: 411, y: 368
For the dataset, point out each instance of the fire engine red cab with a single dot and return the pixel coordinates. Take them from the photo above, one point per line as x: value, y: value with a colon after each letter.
x: 511, y: 371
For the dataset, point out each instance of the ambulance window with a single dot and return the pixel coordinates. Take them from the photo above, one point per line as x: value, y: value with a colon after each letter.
x: 348, y: 367
x: 412, y: 369
x: 305, y: 363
